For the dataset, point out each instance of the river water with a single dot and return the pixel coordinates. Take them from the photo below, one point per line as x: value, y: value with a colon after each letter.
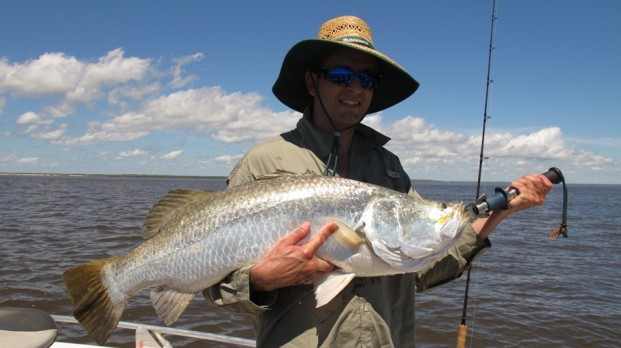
x: 526, y: 291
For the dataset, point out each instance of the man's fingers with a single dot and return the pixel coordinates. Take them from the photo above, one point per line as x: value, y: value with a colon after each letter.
x: 296, y: 235
x: 532, y: 190
x: 321, y: 236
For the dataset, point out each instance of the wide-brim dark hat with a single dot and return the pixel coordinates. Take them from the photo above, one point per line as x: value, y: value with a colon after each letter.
x: 395, y: 83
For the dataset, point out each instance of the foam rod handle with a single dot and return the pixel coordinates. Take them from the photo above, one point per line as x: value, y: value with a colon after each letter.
x: 554, y: 175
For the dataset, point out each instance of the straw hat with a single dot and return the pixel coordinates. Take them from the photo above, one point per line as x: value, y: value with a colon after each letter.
x: 347, y: 31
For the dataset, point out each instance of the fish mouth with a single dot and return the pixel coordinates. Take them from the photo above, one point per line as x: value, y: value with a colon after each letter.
x: 451, y: 224
x: 454, y: 208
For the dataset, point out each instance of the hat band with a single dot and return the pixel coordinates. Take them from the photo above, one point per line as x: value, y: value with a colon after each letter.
x: 356, y: 40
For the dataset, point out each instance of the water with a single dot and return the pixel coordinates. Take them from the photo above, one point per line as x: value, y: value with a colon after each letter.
x: 527, y: 290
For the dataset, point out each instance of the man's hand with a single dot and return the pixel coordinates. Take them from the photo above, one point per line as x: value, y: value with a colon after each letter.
x: 532, y: 190
x: 290, y: 264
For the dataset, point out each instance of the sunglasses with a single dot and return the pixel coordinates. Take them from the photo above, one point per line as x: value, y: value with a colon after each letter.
x: 345, y: 77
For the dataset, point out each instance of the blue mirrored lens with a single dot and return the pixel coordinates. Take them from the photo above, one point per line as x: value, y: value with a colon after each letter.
x: 345, y: 77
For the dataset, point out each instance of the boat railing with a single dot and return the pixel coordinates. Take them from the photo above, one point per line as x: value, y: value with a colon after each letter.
x: 238, y: 341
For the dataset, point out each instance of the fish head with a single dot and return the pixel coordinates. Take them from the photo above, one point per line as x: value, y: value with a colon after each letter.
x: 408, y: 234
x: 433, y: 229
x: 451, y: 221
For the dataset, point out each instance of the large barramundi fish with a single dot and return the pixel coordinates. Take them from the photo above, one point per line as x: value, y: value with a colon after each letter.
x: 196, y: 238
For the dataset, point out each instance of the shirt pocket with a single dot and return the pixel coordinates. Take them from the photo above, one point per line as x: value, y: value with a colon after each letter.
x: 386, y: 178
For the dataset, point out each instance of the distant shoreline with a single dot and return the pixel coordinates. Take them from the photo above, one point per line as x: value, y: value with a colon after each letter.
x: 414, y: 181
x: 118, y: 175
x: 420, y: 181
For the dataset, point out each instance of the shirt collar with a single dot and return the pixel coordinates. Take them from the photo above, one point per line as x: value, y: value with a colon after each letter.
x: 319, y: 142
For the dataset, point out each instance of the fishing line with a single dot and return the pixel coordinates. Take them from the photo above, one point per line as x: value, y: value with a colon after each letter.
x: 474, y: 307
x: 476, y: 279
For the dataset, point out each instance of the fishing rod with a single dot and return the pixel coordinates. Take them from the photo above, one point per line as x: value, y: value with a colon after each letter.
x: 500, y: 199
x: 462, y: 331
x: 488, y: 83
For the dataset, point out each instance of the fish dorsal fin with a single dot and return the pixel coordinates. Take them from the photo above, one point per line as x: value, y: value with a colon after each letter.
x: 163, y: 209
x: 169, y: 303
x: 331, y: 284
x: 284, y: 173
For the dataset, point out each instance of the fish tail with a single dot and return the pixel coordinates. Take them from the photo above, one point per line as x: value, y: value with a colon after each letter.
x: 93, y: 306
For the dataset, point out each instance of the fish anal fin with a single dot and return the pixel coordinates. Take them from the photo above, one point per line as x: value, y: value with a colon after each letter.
x: 93, y: 306
x: 331, y: 284
x: 167, y: 206
x: 170, y: 303
x: 345, y: 235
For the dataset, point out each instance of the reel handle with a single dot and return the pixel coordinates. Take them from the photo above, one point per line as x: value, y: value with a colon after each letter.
x: 554, y: 175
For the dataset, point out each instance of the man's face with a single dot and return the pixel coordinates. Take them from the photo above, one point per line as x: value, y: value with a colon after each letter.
x: 345, y: 105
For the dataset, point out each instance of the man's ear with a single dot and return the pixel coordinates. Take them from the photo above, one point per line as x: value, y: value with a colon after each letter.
x: 310, y: 83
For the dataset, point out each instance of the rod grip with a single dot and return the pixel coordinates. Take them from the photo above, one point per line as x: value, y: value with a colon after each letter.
x: 554, y: 175
x: 462, y: 334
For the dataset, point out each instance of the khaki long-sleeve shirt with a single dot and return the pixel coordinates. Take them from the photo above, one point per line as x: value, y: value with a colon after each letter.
x: 369, y: 312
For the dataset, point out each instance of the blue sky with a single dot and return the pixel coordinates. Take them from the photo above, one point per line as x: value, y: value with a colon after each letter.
x: 184, y: 87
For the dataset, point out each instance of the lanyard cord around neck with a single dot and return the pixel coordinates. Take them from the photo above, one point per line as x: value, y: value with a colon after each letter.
x: 334, y: 148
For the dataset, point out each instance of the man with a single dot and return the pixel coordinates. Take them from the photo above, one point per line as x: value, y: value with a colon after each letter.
x: 335, y: 81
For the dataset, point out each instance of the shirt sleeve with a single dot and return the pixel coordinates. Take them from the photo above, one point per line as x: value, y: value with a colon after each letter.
x: 233, y: 293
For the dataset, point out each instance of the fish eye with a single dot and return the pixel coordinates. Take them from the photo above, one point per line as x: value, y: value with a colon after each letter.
x: 443, y: 205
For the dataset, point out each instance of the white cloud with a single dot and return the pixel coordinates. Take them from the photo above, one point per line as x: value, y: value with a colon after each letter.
x: 29, y: 118
x: 28, y: 160
x: 124, y: 100
x: 228, y: 159
x: 172, y: 154
x: 429, y: 152
x: 178, y: 80
x: 255, y: 125
x: 114, y: 68
x: 117, y: 94
x: 132, y: 153
x: 234, y: 117
x: 228, y: 117
x: 76, y: 82
x: 51, y: 73
x: 94, y: 137
x: 205, y: 108
x: 52, y: 136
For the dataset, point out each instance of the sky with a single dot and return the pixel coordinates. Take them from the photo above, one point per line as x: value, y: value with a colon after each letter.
x: 184, y: 87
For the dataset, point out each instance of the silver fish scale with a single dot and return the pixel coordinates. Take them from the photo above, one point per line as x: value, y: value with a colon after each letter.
x: 205, y: 241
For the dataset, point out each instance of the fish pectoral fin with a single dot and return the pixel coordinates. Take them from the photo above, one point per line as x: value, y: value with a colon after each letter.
x: 165, y: 208
x: 331, y: 284
x: 345, y: 235
x: 170, y: 303
x: 397, y: 258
